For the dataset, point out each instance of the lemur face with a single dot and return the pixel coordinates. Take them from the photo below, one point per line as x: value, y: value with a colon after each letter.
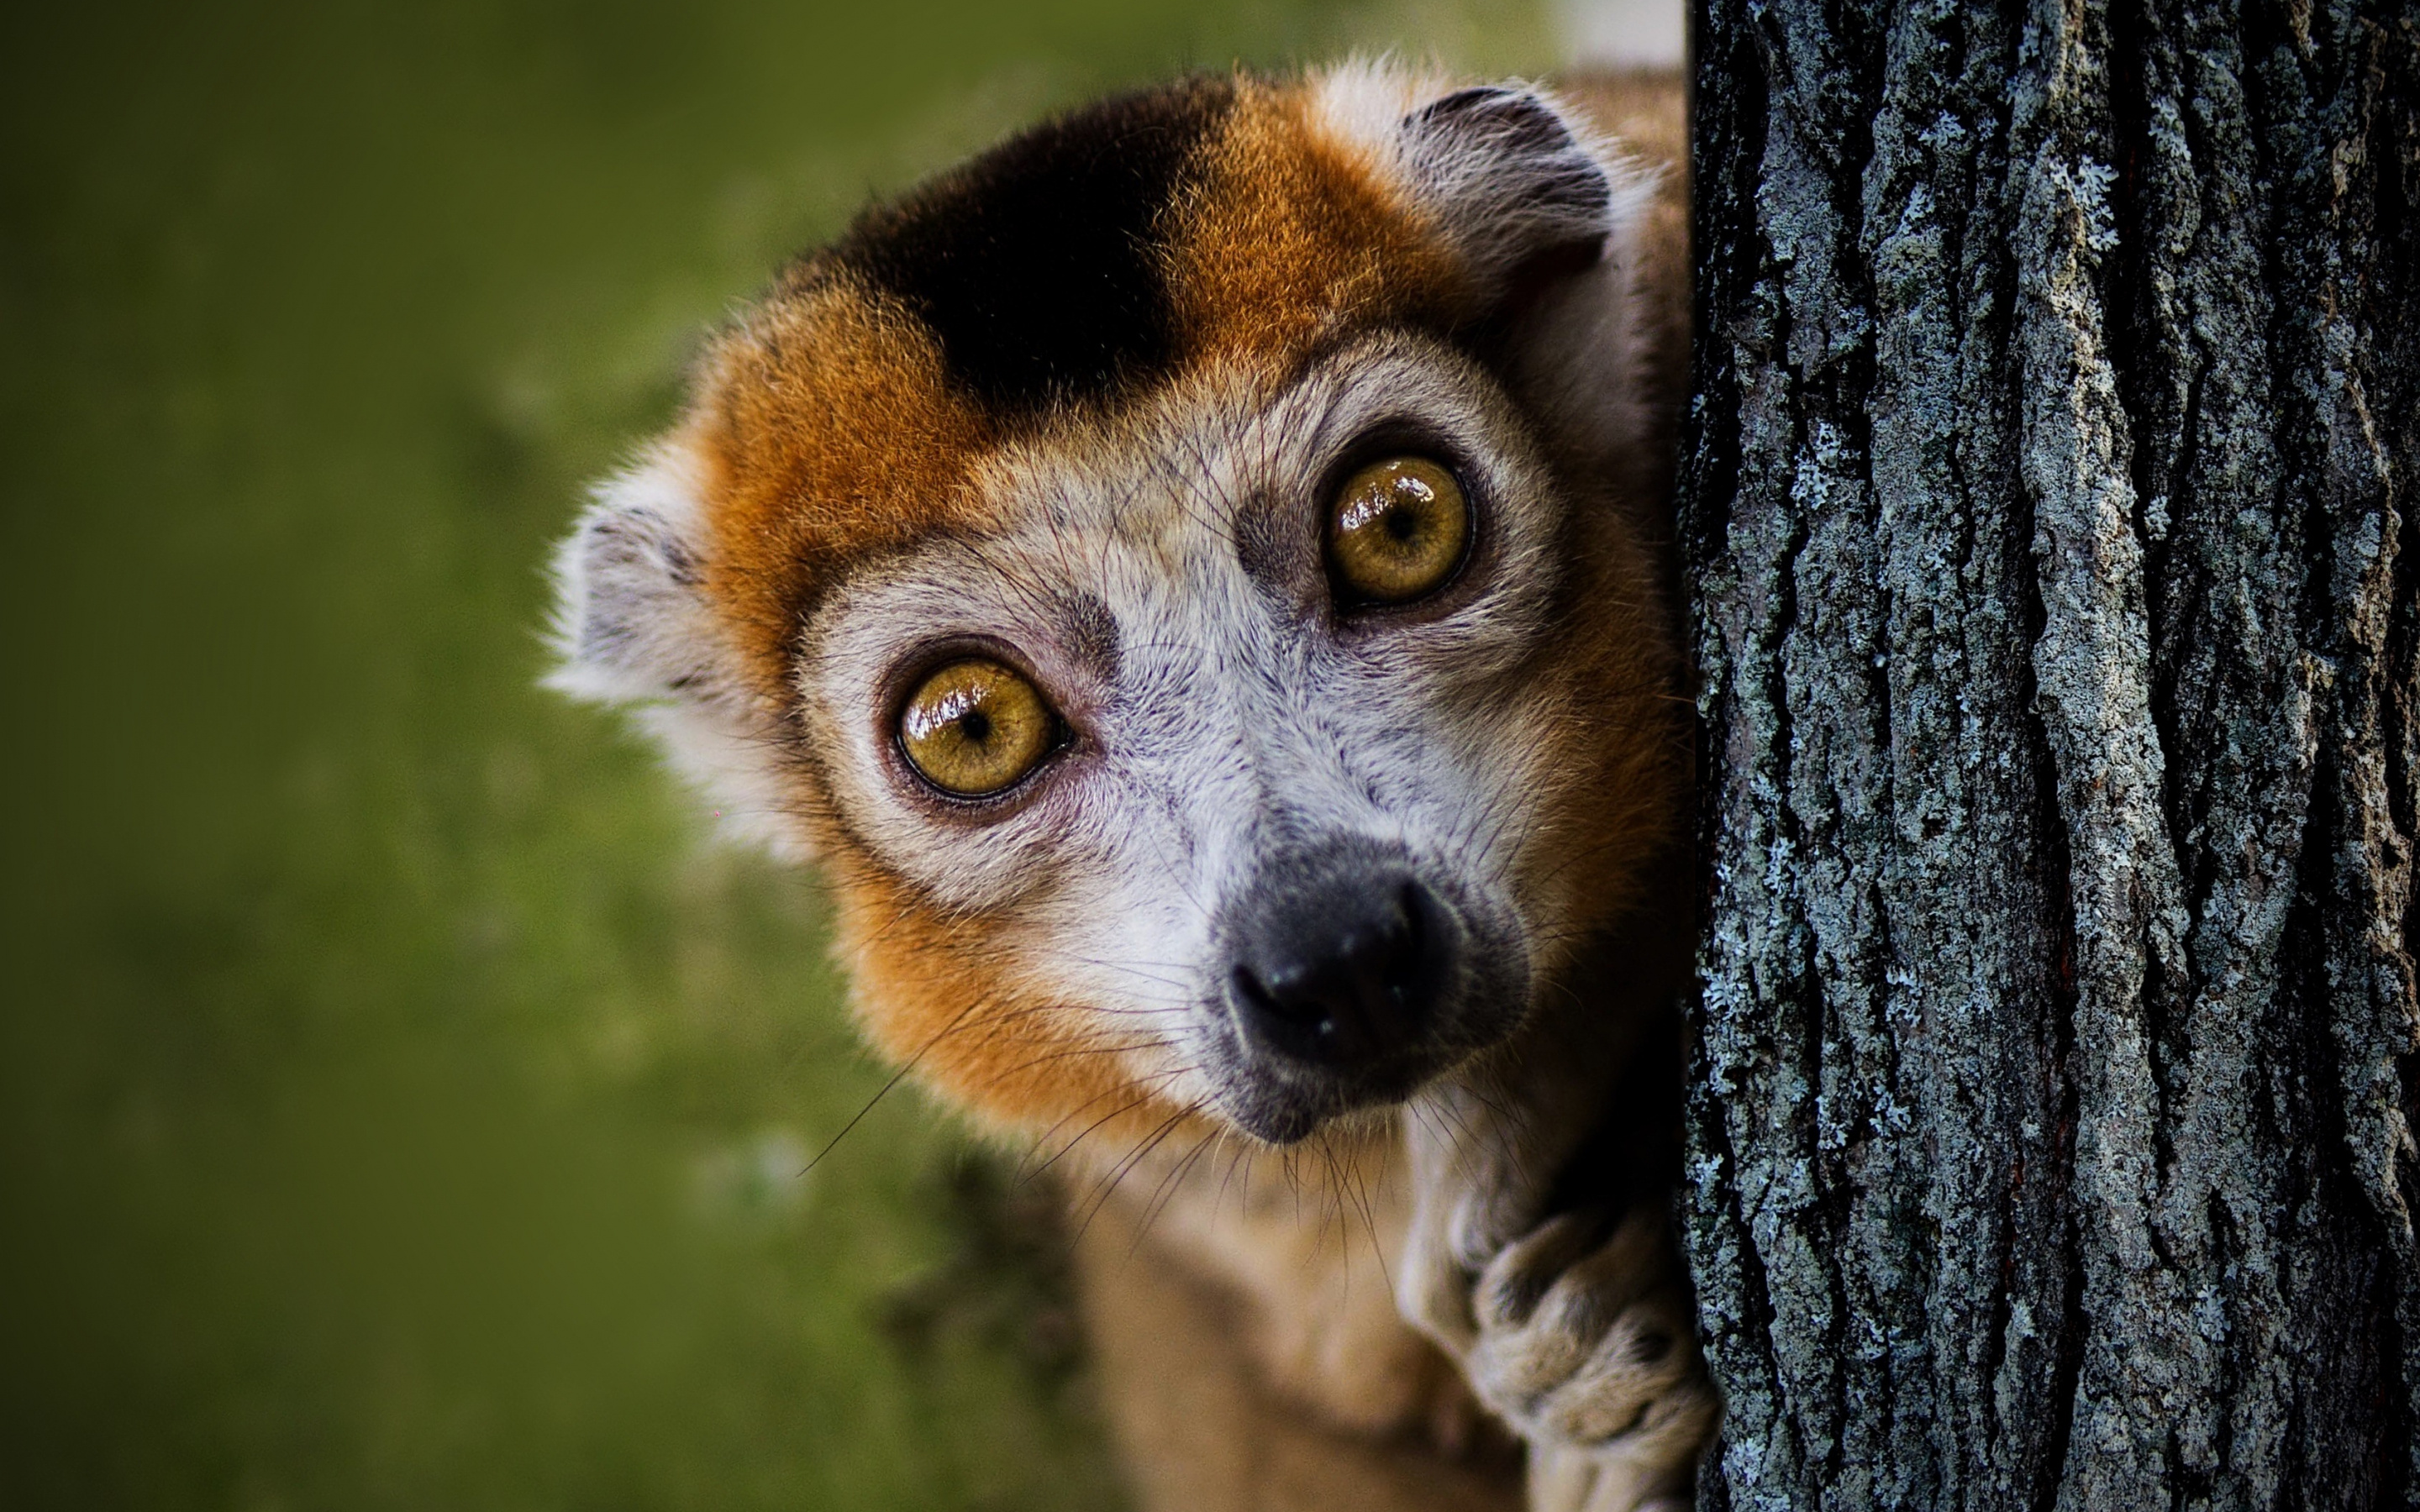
x: 1169, y: 574
x: 1255, y: 828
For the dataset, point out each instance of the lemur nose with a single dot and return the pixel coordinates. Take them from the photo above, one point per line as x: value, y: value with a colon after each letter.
x: 1341, y: 975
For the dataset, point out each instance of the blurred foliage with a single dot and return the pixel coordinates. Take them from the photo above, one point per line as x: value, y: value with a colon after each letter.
x: 402, y: 1102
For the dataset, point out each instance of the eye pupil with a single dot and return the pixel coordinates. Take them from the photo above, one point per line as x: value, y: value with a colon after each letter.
x: 975, y: 725
x: 1401, y: 524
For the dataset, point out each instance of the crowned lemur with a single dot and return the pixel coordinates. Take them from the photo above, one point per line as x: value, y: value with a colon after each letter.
x: 1195, y: 580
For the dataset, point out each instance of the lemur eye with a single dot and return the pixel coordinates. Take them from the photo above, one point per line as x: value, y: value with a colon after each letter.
x: 974, y: 726
x: 1399, y: 530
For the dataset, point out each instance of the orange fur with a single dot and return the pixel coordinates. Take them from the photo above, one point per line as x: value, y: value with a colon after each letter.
x: 833, y: 437
x: 1291, y: 241
x: 929, y: 995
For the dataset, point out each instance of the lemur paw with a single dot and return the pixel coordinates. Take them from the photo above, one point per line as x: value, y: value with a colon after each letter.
x: 1583, y: 1344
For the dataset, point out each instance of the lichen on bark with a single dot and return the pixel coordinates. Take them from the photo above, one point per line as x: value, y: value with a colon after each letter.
x: 2045, y: 509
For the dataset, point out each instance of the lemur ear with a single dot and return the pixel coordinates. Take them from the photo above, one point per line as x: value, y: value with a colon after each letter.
x: 1557, y: 230
x: 632, y: 626
x: 1524, y: 191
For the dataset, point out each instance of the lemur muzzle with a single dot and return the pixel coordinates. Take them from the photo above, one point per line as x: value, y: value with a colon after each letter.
x: 1340, y: 957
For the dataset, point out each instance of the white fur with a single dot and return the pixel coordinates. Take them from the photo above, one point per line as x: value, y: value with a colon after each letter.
x: 632, y: 626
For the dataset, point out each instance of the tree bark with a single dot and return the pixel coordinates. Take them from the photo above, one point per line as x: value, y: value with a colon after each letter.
x: 2048, y: 511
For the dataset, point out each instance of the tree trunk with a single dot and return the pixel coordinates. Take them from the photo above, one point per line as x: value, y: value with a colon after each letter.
x: 2049, y: 515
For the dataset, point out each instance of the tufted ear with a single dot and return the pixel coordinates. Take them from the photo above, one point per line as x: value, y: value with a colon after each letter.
x: 1517, y: 187
x: 1578, y: 268
x: 632, y: 625
x: 631, y: 621
x: 1515, y: 183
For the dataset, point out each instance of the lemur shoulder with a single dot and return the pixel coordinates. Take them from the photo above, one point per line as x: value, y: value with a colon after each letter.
x: 1194, y: 578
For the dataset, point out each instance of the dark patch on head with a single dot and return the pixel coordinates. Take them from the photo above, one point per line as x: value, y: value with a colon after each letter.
x: 1092, y: 633
x: 1039, y: 266
x: 1272, y: 545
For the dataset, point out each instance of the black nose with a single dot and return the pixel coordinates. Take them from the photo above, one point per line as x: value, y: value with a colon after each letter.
x: 1340, y: 970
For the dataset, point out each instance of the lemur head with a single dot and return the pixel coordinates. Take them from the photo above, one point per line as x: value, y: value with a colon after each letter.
x: 1180, y: 576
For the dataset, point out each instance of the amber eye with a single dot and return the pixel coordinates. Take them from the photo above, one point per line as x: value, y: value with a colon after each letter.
x: 974, y: 726
x: 1399, y: 530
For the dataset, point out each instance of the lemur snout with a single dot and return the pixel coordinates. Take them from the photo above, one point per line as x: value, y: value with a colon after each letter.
x: 1341, y: 977
x: 1340, y: 956
x: 1355, y: 971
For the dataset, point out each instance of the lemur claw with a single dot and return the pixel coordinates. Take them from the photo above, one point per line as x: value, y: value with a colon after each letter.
x: 1583, y: 1344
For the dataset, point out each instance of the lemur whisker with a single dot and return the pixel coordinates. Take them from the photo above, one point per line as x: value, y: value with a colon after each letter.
x: 896, y: 1077
x: 1043, y: 1138
x: 1104, y: 1118
x: 1369, y: 1225
x: 1166, y: 1188
x: 1077, y: 1052
x: 1084, y: 958
x: 1242, y: 1160
x: 1108, y: 1185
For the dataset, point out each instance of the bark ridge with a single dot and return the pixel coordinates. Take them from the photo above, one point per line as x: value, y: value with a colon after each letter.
x: 2048, y: 515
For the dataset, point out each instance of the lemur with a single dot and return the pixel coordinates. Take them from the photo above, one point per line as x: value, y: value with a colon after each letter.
x: 1193, y: 578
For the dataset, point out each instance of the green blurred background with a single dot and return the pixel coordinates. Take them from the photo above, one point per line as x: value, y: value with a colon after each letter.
x: 403, y: 1101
